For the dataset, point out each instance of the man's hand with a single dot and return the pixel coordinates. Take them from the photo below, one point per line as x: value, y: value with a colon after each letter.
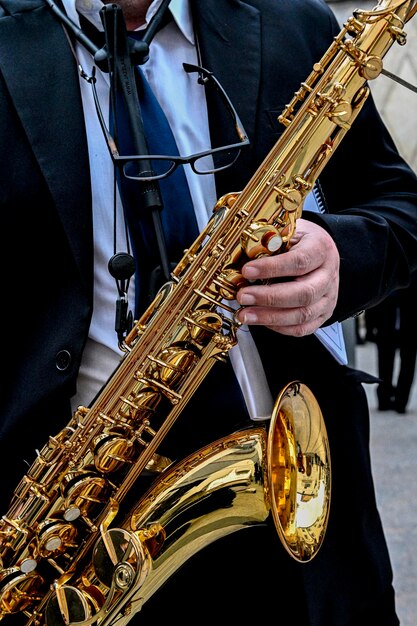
x: 301, y: 305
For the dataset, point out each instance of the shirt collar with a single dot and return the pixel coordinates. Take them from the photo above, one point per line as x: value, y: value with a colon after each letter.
x: 180, y: 10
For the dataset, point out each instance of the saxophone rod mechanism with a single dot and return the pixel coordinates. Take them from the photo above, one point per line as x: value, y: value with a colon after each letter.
x: 399, y: 80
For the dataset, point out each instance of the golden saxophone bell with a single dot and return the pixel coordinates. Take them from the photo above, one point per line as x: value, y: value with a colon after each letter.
x: 299, y: 471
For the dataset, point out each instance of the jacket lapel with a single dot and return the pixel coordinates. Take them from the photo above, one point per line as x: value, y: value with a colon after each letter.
x: 47, y: 101
x: 221, y: 29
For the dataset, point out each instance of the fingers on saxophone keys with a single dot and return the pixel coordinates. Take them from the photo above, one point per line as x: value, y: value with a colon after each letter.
x: 242, y: 316
x: 236, y: 319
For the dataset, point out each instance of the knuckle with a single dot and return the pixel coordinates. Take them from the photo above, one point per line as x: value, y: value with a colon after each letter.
x: 270, y: 298
x: 309, y: 295
x: 302, y: 262
x: 304, y: 315
x: 300, y: 331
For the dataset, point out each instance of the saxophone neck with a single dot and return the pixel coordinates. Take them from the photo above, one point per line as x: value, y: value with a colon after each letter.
x: 404, y: 9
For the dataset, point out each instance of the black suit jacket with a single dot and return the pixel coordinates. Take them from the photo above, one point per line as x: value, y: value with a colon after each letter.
x: 261, y: 51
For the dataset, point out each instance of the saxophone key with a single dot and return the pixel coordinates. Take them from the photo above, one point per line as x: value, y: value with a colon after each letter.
x: 67, y: 605
x: 202, y: 324
x: 173, y: 363
x: 141, y: 403
x: 261, y: 239
x: 112, y: 451
x: 84, y: 491
x: 230, y: 281
x: 54, y: 536
x: 19, y: 591
x: 120, y: 559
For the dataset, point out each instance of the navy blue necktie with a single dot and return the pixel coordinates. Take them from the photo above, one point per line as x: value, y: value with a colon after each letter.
x: 180, y: 228
x: 177, y: 217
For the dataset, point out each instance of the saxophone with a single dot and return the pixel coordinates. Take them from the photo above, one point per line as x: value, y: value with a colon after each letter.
x: 69, y: 550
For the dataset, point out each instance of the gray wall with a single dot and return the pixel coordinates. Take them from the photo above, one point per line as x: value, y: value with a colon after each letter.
x: 398, y: 105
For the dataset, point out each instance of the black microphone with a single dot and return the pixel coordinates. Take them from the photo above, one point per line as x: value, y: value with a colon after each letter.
x: 122, y: 267
x: 93, y: 40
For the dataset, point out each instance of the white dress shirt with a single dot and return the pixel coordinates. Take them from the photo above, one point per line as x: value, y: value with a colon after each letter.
x: 171, y: 47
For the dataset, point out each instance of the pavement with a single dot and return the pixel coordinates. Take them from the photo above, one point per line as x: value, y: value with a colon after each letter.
x: 394, y: 459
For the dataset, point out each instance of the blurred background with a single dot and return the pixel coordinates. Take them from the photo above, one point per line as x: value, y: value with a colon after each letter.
x: 397, y: 104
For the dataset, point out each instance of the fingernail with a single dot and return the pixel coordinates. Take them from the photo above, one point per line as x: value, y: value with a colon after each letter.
x: 246, y: 298
x: 250, y: 272
x: 248, y: 318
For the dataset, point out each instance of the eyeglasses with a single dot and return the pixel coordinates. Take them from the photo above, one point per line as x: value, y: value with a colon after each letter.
x: 162, y: 166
